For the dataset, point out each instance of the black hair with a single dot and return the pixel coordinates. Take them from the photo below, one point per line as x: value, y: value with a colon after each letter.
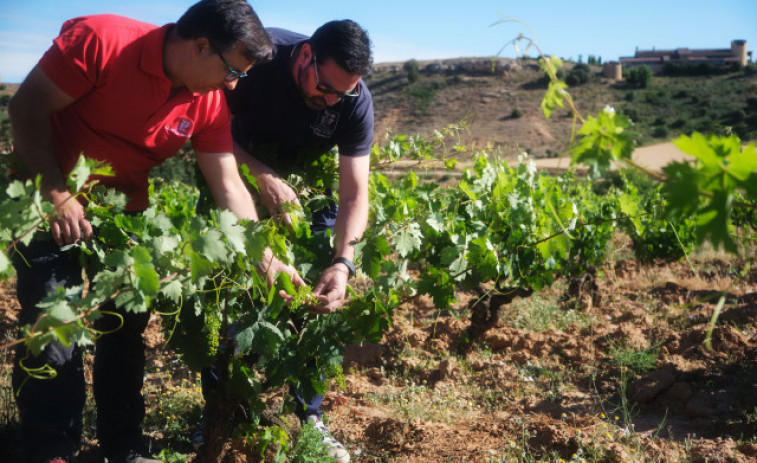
x: 225, y: 23
x: 346, y: 43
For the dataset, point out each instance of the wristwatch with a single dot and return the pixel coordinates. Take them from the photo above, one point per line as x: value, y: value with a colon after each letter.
x: 343, y: 260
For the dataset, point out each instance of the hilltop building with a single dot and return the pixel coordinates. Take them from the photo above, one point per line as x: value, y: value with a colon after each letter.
x: 656, y: 59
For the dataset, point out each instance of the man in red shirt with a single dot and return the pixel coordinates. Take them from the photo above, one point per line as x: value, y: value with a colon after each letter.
x: 131, y: 94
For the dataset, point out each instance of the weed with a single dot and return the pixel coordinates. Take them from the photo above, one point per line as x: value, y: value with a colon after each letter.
x: 310, y: 447
x: 173, y: 410
x: 169, y: 456
x: 637, y: 361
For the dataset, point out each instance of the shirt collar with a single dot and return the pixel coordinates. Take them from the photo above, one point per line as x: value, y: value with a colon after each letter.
x: 152, y: 51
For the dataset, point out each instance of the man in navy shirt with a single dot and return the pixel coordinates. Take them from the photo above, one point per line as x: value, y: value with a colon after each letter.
x: 294, y: 109
x: 288, y: 113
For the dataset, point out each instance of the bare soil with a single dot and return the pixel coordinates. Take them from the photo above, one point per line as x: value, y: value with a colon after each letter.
x: 552, y: 392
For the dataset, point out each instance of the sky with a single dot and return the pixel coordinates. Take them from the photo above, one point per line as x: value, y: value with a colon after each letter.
x: 426, y: 30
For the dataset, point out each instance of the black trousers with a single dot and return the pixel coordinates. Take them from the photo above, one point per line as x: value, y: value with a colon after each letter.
x: 51, y: 409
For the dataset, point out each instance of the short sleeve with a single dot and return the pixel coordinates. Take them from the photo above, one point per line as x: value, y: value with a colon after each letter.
x: 74, y: 62
x: 358, y: 135
x: 215, y: 134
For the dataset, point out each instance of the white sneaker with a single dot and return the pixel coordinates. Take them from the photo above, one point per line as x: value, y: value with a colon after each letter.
x: 336, y: 449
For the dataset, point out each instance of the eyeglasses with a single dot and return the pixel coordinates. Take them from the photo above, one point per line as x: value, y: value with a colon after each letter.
x: 232, y: 74
x: 329, y: 90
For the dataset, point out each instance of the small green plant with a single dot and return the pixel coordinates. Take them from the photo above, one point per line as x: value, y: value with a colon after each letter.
x: 169, y: 456
x: 637, y: 361
x: 310, y: 447
x: 517, y: 113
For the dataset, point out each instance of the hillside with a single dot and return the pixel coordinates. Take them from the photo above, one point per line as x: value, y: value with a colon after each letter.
x: 501, y: 105
x: 503, y: 108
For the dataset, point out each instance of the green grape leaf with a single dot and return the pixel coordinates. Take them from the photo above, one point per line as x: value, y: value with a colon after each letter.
x: 234, y: 233
x: 5, y: 263
x: 681, y: 188
x: 603, y: 139
x: 482, y: 252
x: 79, y: 174
x: 439, y: 285
x: 61, y: 311
x: 408, y: 239
x: 554, y: 97
x: 211, y: 246
x: 629, y: 206
x: 147, y: 280
x: 118, y: 258
x: 244, y: 339
x: 172, y: 290
x: 713, y: 222
x: 375, y: 250
x: 454, y: 258
x: 109, y: 233
x: 201, y: 268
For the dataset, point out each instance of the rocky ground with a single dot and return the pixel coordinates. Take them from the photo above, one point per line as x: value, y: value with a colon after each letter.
x: 612, y: 368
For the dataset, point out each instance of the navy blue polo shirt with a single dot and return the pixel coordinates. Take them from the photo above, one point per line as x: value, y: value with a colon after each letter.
x: 272, y: 121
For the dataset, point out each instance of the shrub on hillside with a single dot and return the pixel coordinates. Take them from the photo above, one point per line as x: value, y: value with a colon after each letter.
x: 517, y: 113
x: 678, y: 123
x: 579, y: 75
x: 660, y: 132
x: 412, y: 69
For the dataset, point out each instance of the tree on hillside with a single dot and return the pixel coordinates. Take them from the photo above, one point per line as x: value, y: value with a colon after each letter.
x: 640, y: 76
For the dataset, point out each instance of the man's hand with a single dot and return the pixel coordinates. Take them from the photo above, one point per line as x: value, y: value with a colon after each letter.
x: 274, y: 192
x: 271, y: 267
x: 69, y: 225
x: 331, y: 289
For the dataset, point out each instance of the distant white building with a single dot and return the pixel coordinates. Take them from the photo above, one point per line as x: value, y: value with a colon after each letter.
x: 657, y: 59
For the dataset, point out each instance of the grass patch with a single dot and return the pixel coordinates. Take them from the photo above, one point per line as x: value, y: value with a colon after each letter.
x: 538, y: 313
x: 420, y: 401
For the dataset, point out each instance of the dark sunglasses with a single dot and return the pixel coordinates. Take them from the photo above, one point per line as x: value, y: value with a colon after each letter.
x: 232, y: 74
x: 329, y: 90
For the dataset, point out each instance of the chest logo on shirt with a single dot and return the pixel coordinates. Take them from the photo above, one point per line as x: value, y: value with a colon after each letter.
x: 325, y: 123
x: 182, y: 127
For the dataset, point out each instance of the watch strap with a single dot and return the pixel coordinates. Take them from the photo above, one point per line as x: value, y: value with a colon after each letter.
x: 348, y: 263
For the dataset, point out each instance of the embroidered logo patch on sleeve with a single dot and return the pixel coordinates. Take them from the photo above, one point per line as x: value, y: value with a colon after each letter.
x: 182, y: 128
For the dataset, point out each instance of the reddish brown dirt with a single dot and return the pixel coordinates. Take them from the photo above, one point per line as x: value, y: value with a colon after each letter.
x: 559, y: 390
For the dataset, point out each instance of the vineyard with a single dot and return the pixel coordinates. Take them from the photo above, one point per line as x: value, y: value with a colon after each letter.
x: 507, y: 315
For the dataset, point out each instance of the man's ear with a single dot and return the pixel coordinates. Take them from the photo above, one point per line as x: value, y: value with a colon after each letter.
x: 202, y: 45
x: 306, y: 53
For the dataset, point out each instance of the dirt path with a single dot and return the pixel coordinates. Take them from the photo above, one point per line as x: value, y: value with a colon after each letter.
x: 653, y: 157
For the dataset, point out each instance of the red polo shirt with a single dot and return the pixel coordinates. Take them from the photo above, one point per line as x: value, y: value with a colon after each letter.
x: 113, y: 67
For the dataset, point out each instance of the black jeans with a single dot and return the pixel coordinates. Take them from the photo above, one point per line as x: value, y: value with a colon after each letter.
x: 51, y: 409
